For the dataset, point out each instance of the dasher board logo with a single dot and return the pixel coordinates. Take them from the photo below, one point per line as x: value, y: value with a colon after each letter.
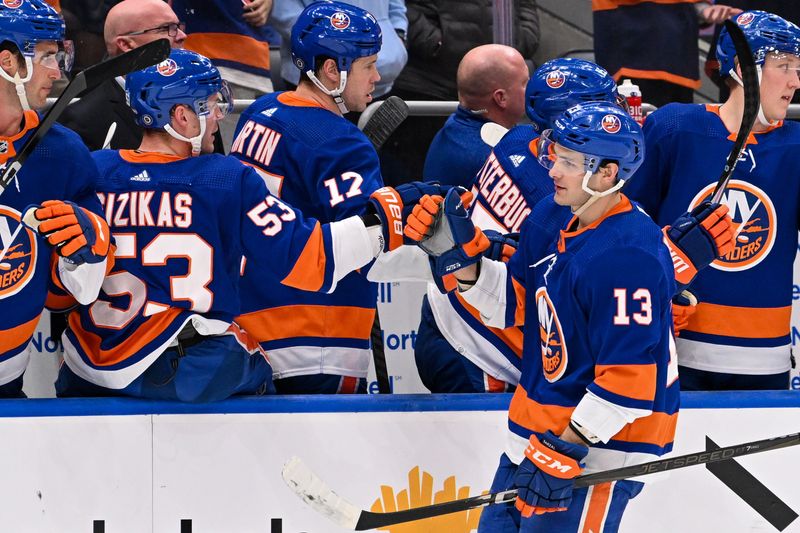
x: 17, y: 252
x: 754, y: 224
x: 551, y: 338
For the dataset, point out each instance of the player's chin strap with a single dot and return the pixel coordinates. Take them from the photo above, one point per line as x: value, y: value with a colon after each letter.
x: 195, y: 141
x: 594, y: 195
x: 336, y: 94
x: 762, y: 119
x: 19, y: 83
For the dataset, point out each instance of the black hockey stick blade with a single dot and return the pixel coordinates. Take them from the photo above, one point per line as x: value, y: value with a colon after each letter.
x: 83, y: 82
x: 389, y: 115
x: 322, y: 499
x: 752, y: 101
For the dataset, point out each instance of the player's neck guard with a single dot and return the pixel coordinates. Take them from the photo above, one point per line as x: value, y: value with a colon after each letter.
x: 19, y: 83
x: 195, y: 141
x: 336, y: 94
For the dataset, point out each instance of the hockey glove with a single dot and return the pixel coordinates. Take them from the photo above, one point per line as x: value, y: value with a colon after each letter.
x: 684, y: 305
x: 697, y: 238
x: 392, y: 205
x: 501, y: 248
x: 78, y: 235
x: 545, y: 477
x: 446, y: 233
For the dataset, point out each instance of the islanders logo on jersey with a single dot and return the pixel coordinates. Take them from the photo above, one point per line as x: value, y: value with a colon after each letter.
x: 340, y: 20
x: 745, y: 19
x: 12, y: 4
x: 754, y: 224
x: 168, y: 67
x: 555, y: 79
x: 551, y: 338
x: 17, y: 252
x: 611, y: 123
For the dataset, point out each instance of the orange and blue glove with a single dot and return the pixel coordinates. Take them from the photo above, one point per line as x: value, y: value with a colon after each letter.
x: 684, y: 304
x: 442, y: 227
x: 697, y: 238
x: 78, y: 235
x: 545, y: 477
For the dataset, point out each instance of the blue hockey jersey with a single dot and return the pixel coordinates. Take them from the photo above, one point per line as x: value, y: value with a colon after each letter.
x: 182, y: 226
x: 59, y: 169
x: 324, y: 166
x: 742, y: 323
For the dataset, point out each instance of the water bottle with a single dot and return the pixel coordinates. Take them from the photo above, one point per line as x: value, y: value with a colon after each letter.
x: 633, y: 96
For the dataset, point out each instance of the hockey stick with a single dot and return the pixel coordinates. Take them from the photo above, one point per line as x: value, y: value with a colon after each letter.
x: 380, y: 126
x: 752, y: 101
x: 84, y: 81
x: 322, y: 499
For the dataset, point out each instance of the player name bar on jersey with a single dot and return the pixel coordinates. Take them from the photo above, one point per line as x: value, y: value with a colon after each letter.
x: 143, y: 208
x: 502, y: 195
x: 248, y: 138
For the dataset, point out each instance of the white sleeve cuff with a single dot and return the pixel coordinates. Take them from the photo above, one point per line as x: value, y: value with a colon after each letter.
x: 488, y: 295
x: 353, y: 246
x: 407, y: 263
x: 603, y: 418
x: 82, y: 281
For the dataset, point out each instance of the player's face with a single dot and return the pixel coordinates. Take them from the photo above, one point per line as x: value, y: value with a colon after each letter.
x: 361, y: 82
x: 216, y: 106
x: 46, y: 70
x: 567, y: 173
x: 779, y: 80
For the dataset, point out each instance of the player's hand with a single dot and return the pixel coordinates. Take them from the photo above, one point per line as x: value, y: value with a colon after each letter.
x: 697, y: 238
x: 501, y: 248
x: 256, y: 12
x: 684, y: 304
x: 546, y: 476
x: 78, y: 235
x: 393, y: 205
x: 446, y: 233
x: 718, y: 13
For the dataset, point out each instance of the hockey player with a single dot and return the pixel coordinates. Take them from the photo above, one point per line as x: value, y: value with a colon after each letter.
x: 599, y: 384
x: 739, y: 338
x: 163, y: 326
x: 69, y: 250
x: 313, y: 158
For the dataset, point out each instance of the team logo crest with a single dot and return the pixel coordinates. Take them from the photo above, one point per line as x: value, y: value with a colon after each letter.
x: 12, y: 4
x: 17, y: 252
x: 3, y: 147
x: 555, y: 79
x: 340, y: 20
x: 745, y: 19
x: 611, y: 123
x: 551, y: 338
x: 754, y: 224
x: 168, y: 67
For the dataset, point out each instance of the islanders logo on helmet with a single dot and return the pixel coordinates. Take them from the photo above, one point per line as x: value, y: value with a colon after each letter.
x: 168, y: 67
x: 755, y: 224
x: 745, y: 19
x: 555, y: 79
x: 551, y: 338
x: 611, y: 123
x: 340, y: 20
x: 12, y: 4
x: 18, y: 249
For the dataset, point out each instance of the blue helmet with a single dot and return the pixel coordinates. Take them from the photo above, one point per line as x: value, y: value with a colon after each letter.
x: 336, y: 30
x: 765, y: 33
x: 600, y: 131
x: 26, y: 22
x: 562, y: 83
x: 184, y: 78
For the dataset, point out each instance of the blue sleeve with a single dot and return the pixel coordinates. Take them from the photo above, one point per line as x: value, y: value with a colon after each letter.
x: 648, y: 186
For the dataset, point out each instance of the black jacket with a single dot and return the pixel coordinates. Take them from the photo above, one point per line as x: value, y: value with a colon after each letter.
x: 440, y: 32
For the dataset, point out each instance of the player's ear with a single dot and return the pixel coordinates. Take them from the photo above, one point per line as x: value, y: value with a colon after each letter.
x: 9, y: 62
x: 330, y: 71
x: 500, y: 98
x: 609, y: 172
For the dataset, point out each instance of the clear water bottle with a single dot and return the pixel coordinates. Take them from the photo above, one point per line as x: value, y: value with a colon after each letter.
x: 633, y: 96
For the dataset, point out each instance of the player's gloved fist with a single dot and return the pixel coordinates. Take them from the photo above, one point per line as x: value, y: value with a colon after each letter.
x: 545, y: 477
x: 501, y: 247
x: 393, y: 205
x: 78, y: 235
x: 697, y: 238
x: 684, y: 304
x: 450, y: 237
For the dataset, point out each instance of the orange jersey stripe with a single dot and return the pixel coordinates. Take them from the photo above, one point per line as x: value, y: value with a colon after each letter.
x: 743, y: 322
x: 308, y: 321
x: 519, y: 312
x: 292, y: 98
x: 230, y: 47
x: 309, y: 271
x: 632, y: 381
x: 600, y: 5
x: 145, y: 333
x: 18, y: 335
x: 626, y: 72
x: 511, y: 336
x: 597, y: 508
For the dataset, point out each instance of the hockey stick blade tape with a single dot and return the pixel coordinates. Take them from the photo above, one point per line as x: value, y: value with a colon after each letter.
x: 318, y: 495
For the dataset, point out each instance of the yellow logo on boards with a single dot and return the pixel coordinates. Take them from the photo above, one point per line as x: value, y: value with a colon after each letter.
x: 420, y: 493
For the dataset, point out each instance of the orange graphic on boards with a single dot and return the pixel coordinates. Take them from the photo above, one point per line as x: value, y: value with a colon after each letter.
x: 420, y: 493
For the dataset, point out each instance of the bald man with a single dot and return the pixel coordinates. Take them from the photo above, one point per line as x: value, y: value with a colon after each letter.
x: 129, y: 24
x: 491, y: 83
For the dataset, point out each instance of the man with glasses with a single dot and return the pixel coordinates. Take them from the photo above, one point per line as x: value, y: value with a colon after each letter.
x: 102, y: 117
x: 66, y: 244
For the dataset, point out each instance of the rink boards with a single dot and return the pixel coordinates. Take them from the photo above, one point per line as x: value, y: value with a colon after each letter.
x: 121, y: 465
